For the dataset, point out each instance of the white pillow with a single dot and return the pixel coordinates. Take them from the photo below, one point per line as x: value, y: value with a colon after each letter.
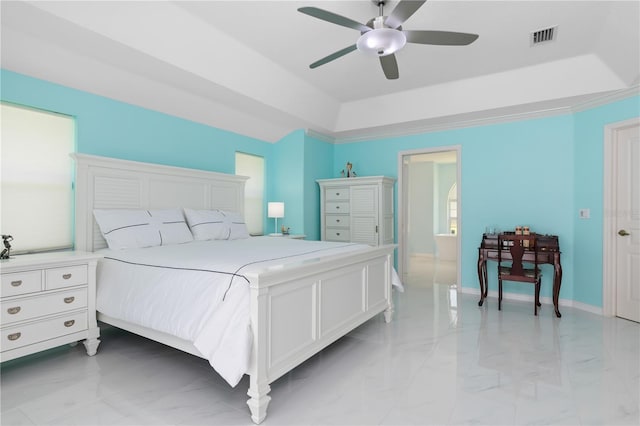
x: 237, y: 226
x: 207, y: 224
x: 126, y: 228
x: 216, y: 224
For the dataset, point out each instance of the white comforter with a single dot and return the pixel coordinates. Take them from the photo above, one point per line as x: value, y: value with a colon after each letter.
x: 197, y: 292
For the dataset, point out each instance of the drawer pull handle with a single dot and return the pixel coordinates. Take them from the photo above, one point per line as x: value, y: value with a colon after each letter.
x: 338, y: 220
x: 337, y: 207
x: 337, y: 233
x: 16, y: 283
x: 14, y: 310
x: 69, y: 299
x: 14, y: 336
x: 69, y: 323
x: 66, y: 276
x: 337, y: 193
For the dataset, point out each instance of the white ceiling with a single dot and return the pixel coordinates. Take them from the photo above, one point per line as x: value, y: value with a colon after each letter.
x: 243, y: 66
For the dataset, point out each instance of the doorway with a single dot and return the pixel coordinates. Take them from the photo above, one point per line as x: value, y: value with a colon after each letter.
x: 429, y: 223
x: 621, y: 242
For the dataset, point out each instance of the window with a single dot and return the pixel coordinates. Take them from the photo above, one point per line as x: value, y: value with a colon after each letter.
x: 252, y: 166
x: 452, y: 210
x: 36, y: 178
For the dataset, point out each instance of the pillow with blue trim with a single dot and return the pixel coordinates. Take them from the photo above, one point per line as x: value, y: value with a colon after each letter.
x: 136, y: 228
x: 216, y: 224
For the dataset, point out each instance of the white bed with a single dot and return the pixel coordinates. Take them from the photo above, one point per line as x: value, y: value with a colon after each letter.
x: 294, y: 306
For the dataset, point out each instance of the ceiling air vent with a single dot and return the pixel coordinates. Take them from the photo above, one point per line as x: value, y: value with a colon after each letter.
x: 544, y: 36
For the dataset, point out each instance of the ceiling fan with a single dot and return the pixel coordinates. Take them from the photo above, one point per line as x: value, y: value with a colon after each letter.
x: 382, y: 36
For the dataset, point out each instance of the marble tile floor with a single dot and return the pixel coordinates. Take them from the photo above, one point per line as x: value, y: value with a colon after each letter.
x: 443, y: 360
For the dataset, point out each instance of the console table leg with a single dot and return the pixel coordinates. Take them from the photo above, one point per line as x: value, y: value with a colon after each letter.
x: 481, y: 268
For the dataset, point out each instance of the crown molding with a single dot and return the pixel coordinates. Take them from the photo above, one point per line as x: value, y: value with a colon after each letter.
x: 471, y: 120
x: 607, y: 98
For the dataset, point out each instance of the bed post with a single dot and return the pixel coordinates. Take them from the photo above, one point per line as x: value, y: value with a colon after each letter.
x: 388, y: 313
x: 258, y: 381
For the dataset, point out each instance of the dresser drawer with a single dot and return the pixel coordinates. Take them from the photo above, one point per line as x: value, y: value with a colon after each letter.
x: 27, y: 334
x: 337, y: 221
x: 65, y: 277
x: 21, y: 283
x: 337, y: 234
x: 40, y: 305
x: 337, y: 194
x: 336, y: 207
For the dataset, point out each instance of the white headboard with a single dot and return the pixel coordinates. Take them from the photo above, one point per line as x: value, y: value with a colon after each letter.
x: 109, y: 183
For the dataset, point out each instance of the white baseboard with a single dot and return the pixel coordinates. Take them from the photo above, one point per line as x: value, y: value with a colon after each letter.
x: 529, y: 298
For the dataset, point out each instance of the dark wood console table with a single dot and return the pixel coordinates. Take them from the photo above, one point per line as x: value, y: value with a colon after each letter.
x: 548, y: 252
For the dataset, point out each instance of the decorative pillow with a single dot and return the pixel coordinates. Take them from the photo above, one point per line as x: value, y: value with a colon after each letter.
x: 237, y: 226
x: 207, y: 224
x: 126, y: 228
x: 216, y: 224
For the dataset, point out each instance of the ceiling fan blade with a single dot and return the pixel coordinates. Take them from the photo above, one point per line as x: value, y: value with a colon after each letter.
x: 440, y: 38
x: 333, y: 56
x: 403, y: 11
x: 389, y: 66
x: 333, y: 18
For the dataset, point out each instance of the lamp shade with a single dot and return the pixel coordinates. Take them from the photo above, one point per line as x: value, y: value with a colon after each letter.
x: 275, y: 209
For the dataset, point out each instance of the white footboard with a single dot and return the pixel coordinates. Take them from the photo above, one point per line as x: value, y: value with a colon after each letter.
x: 297, y: 311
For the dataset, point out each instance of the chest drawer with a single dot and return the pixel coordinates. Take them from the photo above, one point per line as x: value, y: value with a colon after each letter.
x: 337, y: 207
x: 337, y: 194
x: 21, y: 283
x: 36, y: 306
x: 337, y: 221
x: 27, y: 334
x: 337, y: 235
x: 65, y: 277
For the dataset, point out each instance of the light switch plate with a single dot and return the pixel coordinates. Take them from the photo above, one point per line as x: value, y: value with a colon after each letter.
x: 584, y: 213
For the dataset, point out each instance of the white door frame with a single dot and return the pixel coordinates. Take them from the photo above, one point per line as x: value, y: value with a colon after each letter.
x: 403, y: 210
x: 609, y: 285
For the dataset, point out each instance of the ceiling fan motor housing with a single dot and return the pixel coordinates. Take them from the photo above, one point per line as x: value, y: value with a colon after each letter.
x: 381, y: 40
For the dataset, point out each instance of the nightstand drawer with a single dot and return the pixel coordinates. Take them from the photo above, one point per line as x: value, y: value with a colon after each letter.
x: 23, y: 335
x: 65, y: 277
x: 337, y: 194
x: 341, y: 221
x: 21, y: 283
x: 37, y: 306
x: 338, y: 235
x: 337, y: 207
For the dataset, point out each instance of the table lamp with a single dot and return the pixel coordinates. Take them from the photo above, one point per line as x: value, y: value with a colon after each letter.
x: 275, y: 210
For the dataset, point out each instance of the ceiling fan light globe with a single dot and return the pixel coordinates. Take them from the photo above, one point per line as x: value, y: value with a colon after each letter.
x: 381, y: 41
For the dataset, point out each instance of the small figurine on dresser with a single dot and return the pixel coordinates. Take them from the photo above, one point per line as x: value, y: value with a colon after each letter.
x: 6, y: 239
x: 350, y: 172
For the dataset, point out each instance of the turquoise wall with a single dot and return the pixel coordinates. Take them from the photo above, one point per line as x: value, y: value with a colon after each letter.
x: 518, y: 173
x: 533, y: 172
x: 318, y: 164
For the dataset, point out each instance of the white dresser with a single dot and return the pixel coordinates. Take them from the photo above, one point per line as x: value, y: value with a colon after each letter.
x: 48, y: 300
x: 358, y: 209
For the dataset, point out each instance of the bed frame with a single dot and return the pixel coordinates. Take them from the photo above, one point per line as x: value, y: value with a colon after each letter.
x: 296, y: 311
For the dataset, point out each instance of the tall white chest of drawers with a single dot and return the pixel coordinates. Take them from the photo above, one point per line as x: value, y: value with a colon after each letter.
x: 358, y: 209
x: 48, y: 300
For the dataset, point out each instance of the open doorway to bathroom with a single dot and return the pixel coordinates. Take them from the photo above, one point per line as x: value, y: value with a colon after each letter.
x: 429, y: 223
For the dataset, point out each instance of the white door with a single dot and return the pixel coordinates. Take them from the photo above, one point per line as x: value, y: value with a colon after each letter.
x: 628, y: 223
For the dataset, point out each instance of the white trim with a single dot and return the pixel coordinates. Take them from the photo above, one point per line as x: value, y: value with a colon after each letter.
x: 609, y: 254
x: 519, y: 297
x: 607, y: 98
x: 402, y: 231
x: 471, y: 119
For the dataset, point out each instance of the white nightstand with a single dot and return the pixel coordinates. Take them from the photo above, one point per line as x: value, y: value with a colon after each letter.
x: 292, y: 236
x: 48, y: 300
